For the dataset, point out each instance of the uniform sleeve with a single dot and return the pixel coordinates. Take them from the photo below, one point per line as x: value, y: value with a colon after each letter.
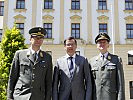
x: 13, y: 77
x: 88, y: 80
x: 120, y: 80
x: 48, y: 83
x: 55, y: 83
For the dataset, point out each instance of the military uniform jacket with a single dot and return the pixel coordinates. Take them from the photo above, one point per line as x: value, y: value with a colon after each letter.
x: 30, y: 80
x: 80, y: 86
x: 108, y: 78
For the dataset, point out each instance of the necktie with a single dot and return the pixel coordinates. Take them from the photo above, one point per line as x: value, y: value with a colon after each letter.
x: 35, y: 56
x: 71, y: 67
x: 102, y: 57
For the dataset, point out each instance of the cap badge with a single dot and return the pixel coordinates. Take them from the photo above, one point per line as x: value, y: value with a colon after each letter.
x: 39, y: 29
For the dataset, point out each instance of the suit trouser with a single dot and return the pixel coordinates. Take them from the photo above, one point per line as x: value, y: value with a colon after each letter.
x: 70, y: 96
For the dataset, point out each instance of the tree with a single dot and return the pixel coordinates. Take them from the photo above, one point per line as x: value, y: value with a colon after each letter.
x: 12, y: 41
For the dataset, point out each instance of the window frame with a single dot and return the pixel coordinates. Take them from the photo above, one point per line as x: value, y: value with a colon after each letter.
x: 102, y: 4
x: 48, y: 29
x: 131, y: 89
x: 75, y: 29
x: 75, y: 4
x: 1, y: 34
x: 20, y: 4
x: 77, y: 52
x: 128, y: 5
x: 105, y: 30
x: 129, y: 30
x: 18, y: 26
x: 1, y: 8
x: 130, y: 59
x: 49, y: 4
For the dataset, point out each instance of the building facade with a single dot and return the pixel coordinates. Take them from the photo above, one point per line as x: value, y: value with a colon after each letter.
x: 83, y: 19
x: 1, y: 17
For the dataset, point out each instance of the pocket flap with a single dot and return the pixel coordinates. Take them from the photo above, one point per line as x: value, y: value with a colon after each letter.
x: 110, y: 67
x: 111, y: 64
x: 25, y: 63
x: 95, y: 69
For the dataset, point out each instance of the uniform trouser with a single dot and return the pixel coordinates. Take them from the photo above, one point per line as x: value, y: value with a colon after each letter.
x: 70, y: 96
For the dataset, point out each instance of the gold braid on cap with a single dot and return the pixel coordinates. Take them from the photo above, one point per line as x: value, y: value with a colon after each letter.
x: 39, y: 33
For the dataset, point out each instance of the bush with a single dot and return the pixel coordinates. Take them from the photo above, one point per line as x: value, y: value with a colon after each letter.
x: 12, y: 41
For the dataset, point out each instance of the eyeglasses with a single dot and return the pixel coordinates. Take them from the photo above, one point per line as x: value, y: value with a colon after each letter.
x: 70, y: 44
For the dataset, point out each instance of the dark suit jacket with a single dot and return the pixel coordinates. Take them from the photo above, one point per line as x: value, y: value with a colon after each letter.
x: 80, y: 86
x: 29, y: 79
x: 108, y: 78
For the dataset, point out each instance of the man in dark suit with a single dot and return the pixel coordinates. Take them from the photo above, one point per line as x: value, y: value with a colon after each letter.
x: 71, y: 79
x: 107, y: 72
x: 31, y: 71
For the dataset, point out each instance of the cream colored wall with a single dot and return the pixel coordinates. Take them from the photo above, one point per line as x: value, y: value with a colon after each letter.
x: 93, y: 17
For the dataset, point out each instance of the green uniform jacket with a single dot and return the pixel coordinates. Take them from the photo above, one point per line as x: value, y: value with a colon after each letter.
x: 30, y: 80
x: 108, y: 78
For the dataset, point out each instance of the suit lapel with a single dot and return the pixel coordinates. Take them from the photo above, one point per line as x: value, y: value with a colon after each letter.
x: 30, y: 56
x: 107, y: 60
x: 77, y: 65
x: 40, y: 56
x: 99, y: 62
x: 65, y: 66
x: 76, y: 69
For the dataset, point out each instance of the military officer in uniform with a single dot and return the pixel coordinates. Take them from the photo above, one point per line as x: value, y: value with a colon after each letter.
x: 107, y: 72
x: 31, y: 71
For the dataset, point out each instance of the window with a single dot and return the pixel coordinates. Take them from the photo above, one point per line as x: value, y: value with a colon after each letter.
x: 75, y: 31
x: 0, y: 35
x: 131, y: 89
x: 129, y: 31
x: 48, y: 4
x: 20, y: 26
x: 20, y: 4
x: 102, y: 5
x: 77, y: 52
x: 102, y: 28
x: 75, y: 5
x: 1, y: 8
x: 49, y: 52
x: 129, y: 4
x: 130, y: 59
x: 48, y: 27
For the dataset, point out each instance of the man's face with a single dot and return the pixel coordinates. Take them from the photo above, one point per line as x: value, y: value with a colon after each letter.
x: 36, y: 41
x: 103, y: 45
x: 70, y: 47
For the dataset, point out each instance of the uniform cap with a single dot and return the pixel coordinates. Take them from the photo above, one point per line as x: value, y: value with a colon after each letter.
x: 37, y: 31
x: 102, y: 36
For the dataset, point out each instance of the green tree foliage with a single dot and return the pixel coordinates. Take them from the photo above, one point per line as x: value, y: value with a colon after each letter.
x: 12, y: 41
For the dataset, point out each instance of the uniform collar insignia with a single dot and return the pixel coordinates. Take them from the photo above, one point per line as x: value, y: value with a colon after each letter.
x: 109, y: 57
x: 41, y: 55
